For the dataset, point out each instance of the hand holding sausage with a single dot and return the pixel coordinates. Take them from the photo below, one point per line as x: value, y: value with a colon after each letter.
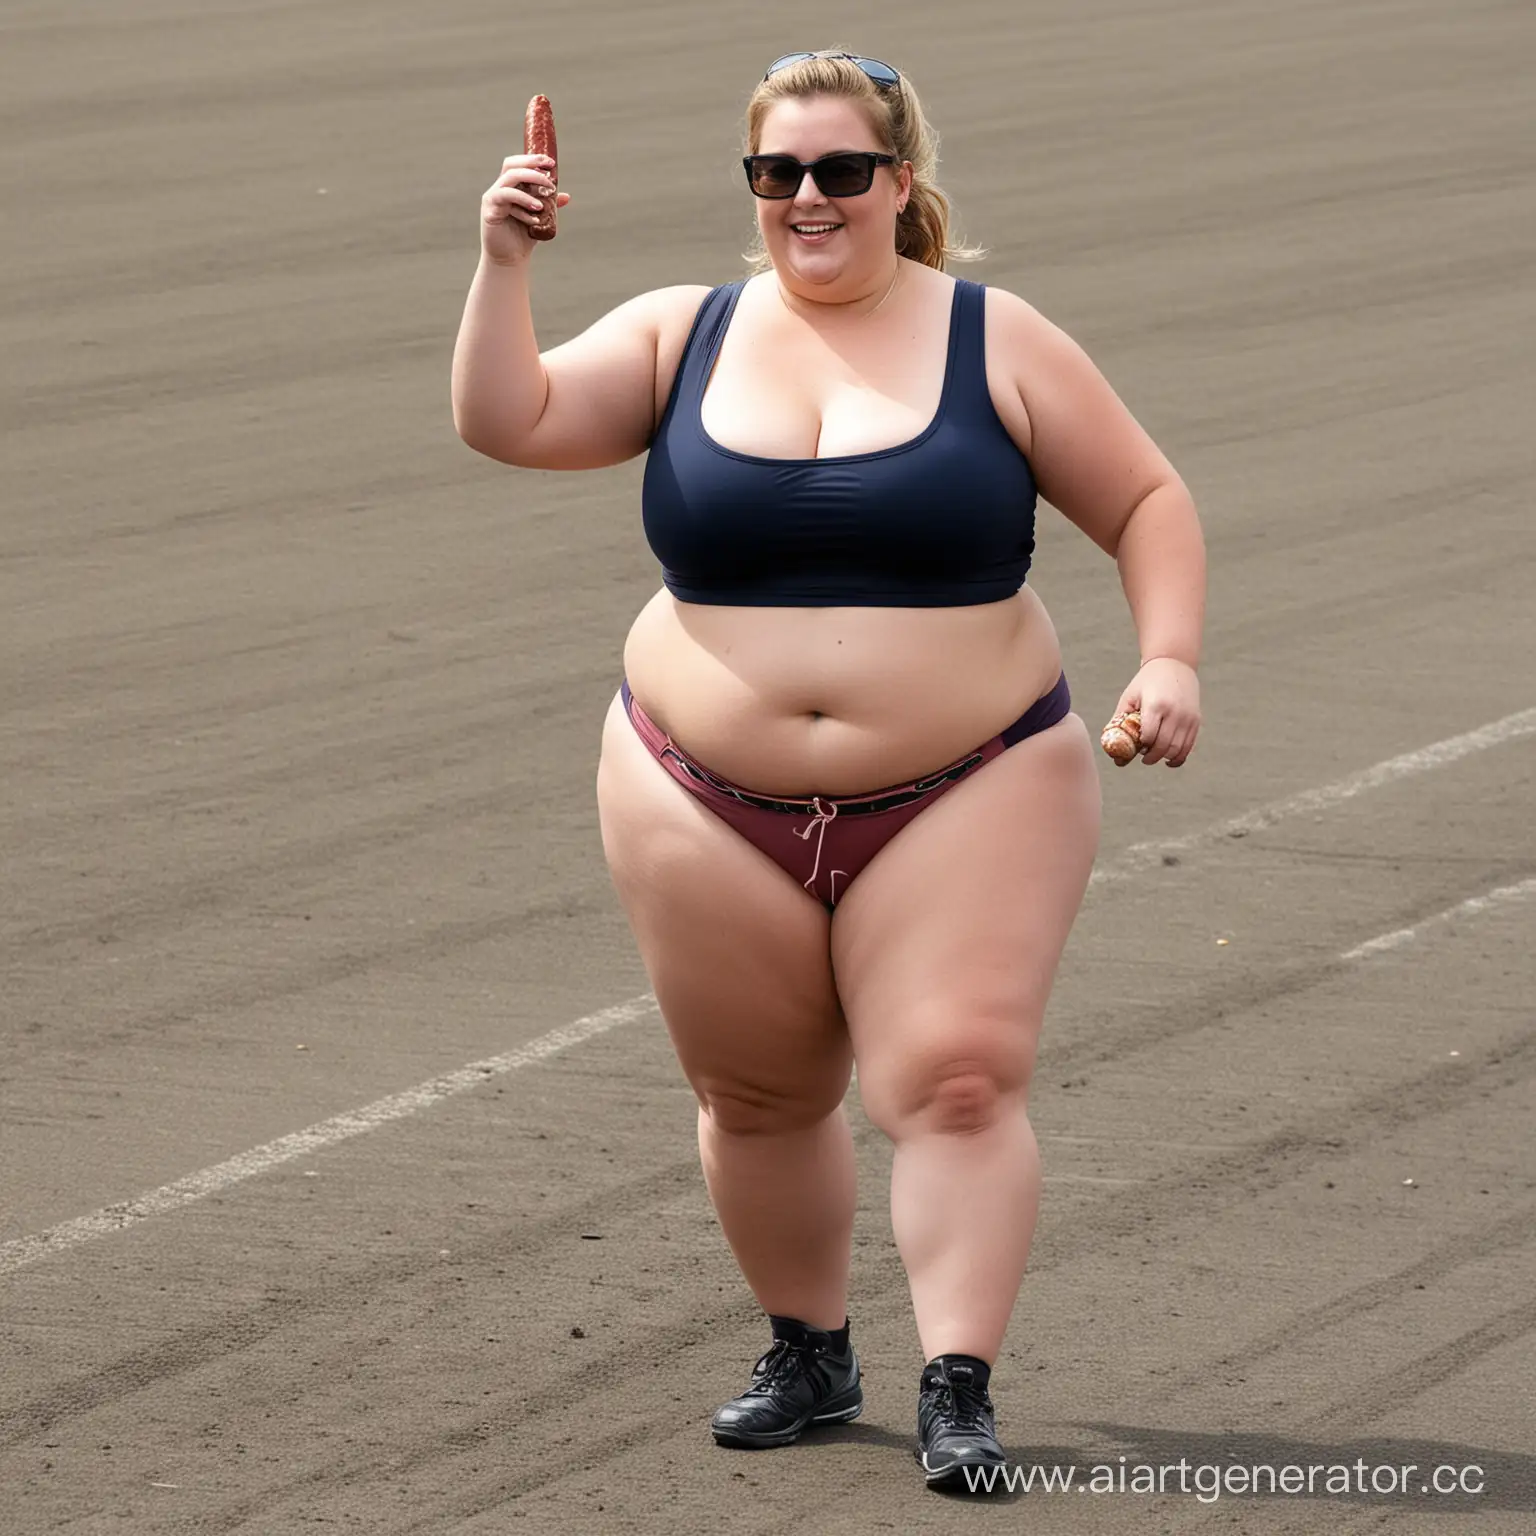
x: 519, y: 206
x: 1164, y: 701
x: 511, y: 205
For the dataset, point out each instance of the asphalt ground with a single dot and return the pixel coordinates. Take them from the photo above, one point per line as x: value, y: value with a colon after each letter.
x: 301, y: 703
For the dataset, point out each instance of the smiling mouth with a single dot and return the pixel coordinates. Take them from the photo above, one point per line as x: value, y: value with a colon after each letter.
x: 814, y: 231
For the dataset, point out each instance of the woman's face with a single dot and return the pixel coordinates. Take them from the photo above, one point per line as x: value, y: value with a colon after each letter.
x: 816, y: 241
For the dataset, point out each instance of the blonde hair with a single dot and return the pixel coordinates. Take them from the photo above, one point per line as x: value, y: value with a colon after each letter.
x: 896, y: 115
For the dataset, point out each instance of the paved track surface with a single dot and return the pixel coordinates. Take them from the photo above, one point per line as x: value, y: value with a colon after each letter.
x: 301, y: 703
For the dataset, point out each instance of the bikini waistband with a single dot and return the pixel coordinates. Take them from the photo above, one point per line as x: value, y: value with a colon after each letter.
x: 1046, y: 711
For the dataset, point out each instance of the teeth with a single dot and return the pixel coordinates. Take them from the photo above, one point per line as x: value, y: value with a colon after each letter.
x: 813, y: 229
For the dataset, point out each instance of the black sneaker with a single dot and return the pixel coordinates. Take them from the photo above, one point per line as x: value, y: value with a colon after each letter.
x: 955, y: 1425
x: 801, y: 1381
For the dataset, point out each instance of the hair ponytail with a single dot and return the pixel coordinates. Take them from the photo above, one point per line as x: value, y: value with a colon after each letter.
x: 922, y: 229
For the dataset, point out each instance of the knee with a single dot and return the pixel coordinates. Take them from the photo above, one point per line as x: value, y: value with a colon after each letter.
x: 740, y: 1109
x: 955, y: 1096
x: 962, y: 1102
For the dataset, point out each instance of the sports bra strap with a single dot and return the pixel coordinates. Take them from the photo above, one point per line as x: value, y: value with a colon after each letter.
x: 703, y: 345
x: 968, y: 393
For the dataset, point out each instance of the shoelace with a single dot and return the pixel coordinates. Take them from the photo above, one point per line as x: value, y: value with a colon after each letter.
x: 963, y: 1405
x: 782, y: 1361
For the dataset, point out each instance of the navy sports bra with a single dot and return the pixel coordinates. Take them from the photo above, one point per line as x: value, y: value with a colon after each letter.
x: 943, y: 520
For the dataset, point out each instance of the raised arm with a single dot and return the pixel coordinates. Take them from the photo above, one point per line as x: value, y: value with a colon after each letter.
x: 589, y: 402
x: 1095, y: 463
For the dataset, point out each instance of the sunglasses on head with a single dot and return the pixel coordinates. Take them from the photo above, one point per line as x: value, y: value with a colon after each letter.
x: 844, y: 173
x: 882, y: 74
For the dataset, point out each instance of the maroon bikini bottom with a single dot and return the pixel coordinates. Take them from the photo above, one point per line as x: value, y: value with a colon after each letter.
x: 825, y: 840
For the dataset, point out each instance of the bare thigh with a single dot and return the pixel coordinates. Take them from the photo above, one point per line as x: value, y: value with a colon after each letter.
x: 737, y: 952
x: 947, y: 943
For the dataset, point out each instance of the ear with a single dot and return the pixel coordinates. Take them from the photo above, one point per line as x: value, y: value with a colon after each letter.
x: 903, y: 185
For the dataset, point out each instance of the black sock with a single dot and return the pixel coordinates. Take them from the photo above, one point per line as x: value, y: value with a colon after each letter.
x: 981, y: 1372
x: 794, y: 1328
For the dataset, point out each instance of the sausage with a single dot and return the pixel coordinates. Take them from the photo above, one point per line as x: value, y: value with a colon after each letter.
x: 539, y: 139
x: 1122, y: 737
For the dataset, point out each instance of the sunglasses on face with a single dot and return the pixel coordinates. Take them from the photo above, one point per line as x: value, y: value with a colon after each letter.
x: 845, y: 173
x: 882, y: 74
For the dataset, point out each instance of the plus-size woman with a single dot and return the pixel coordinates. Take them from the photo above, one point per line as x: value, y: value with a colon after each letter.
x: 844, y: 799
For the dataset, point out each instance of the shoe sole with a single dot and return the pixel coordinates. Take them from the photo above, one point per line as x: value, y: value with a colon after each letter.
x: 761, y: 1442
x: 953, y: 1474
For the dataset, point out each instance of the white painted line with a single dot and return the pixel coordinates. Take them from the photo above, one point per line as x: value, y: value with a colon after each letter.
x: 22, y: 1251
x: 1142, y: 856
x: 113, y: 1218
x: 1469, y: 908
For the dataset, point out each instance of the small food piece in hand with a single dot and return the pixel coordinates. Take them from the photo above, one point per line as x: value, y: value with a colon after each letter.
x: 1122, y: 737
x: 539, y: 139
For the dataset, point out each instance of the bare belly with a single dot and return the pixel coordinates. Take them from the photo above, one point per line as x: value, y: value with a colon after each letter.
x: 837, y: 701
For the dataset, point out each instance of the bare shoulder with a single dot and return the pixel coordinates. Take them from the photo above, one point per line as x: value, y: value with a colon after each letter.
x: 1032, y: 364
x: 1014, y: 333
x: 673, y: 311
x: 679, y: 301
x: 655, y: 315
x: 1024, y: 334
x: 1090, y: 456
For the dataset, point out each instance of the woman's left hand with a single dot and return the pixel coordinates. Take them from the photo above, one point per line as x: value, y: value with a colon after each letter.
x: 1167, y: 693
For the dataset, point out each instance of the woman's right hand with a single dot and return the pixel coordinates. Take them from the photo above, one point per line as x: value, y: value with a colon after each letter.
x: 511, y: 203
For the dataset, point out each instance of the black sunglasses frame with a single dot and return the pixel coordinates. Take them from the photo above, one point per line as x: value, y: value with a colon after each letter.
x: 889, y: 81
x: 868, y: 156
